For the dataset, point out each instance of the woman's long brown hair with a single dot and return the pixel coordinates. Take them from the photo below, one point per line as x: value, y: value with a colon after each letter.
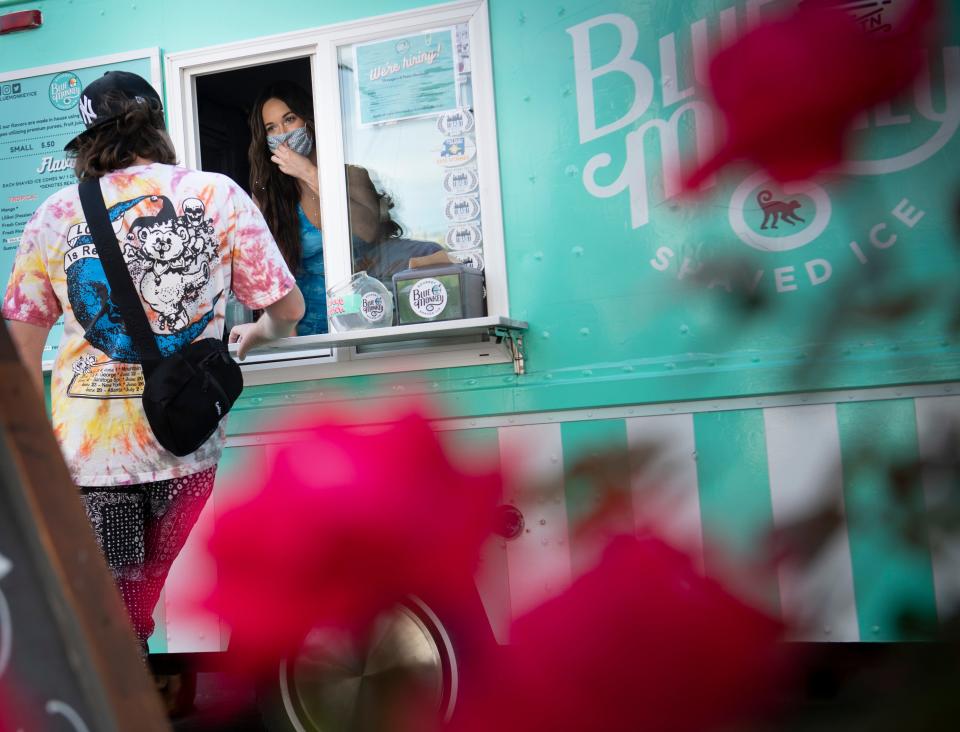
x: 276, y: 193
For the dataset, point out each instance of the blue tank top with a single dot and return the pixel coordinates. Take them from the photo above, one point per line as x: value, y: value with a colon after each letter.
x: 310, y: 278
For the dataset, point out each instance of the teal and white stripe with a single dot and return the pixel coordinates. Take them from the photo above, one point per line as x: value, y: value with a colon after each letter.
x: 932, y: 414
x: 539, y: 561
x: 726, y: 479
x: 803, y: 457
x: 675, y: 504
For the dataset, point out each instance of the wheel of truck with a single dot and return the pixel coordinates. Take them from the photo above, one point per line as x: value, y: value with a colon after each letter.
x: 336, y: 685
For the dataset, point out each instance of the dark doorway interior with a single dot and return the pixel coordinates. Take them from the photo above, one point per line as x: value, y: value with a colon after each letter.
x: 224, y: 100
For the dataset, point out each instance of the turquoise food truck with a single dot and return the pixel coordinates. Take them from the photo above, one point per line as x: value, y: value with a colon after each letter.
x: 582, y: 303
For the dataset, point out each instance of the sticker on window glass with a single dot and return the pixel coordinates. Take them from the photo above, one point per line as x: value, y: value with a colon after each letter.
x: 372, y: 307
x: 456, y: 122
x: 473, y: 259
x: 463, y: 49
x: 458, y: 181
x: 457, y: 151
x: 428, y: 297
x: 343, y: 304
x: 462, y: 208
x: 464, y: 236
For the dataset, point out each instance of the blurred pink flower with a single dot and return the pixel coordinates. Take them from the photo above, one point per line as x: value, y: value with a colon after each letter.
x: 641, y: 642
x: 790, y: 89
x: 349, y: 522
x: 15, y: 714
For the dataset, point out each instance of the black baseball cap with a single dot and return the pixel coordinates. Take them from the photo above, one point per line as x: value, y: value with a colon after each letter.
x: 95, y: 101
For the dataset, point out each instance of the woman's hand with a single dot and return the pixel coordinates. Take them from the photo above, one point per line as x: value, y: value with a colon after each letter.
x: 295, y: 165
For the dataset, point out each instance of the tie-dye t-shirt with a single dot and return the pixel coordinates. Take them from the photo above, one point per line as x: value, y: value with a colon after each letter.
x: 188, y: 238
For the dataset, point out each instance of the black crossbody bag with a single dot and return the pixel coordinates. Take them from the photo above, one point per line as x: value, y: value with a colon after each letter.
x: 187, y: 393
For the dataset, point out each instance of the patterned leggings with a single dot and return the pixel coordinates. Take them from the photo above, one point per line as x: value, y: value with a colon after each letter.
x: 141, y: 529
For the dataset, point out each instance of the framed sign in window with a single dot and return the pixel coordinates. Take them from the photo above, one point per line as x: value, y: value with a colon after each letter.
x: 406, y: 77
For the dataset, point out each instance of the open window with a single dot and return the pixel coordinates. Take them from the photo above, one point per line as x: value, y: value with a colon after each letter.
x: 412, y: 271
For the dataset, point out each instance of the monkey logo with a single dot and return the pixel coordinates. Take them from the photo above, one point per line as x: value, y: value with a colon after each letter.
x: 777, y: 210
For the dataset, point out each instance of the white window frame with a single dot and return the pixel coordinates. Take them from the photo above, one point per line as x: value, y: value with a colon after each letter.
x: 336, y: 354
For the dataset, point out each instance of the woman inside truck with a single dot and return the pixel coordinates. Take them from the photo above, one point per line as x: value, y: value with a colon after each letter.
x: 285, y: 185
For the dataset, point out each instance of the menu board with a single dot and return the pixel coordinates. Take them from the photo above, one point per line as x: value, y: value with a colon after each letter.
x: 38, y: 116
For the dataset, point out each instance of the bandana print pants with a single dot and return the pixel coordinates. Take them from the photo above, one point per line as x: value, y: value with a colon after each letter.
x: 141, y: 529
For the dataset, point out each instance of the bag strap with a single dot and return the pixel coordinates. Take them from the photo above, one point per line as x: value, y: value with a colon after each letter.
x: 122, y: 291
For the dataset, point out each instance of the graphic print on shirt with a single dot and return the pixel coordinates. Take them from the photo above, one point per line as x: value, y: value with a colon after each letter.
x: 170, y: 256
x: 169, y: 260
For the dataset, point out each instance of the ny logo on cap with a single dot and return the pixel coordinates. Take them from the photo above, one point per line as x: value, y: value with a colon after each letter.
x: 86, y: 110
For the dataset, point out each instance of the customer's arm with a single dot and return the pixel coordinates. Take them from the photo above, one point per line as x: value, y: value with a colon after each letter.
x: 278, y: 321
x: 29, y: 340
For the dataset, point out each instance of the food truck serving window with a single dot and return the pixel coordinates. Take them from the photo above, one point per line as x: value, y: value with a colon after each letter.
x: 396, y: 238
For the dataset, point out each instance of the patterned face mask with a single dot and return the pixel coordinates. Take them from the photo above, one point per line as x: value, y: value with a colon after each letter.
x: 298, y: 140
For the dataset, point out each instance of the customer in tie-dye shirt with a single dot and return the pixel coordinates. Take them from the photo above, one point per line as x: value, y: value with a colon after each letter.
x: 188, y: 238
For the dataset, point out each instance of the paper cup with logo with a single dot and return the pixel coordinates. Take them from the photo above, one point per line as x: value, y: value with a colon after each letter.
x: 359, y: 303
